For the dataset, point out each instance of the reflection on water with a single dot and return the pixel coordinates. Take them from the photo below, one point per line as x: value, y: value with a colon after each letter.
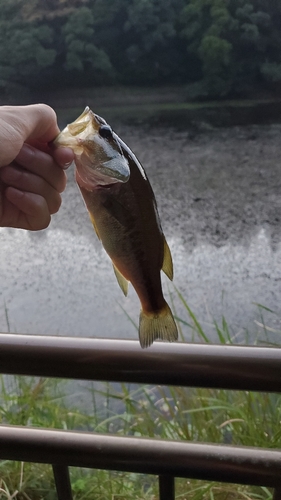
x: 60, y: 283
x: 230, y: 281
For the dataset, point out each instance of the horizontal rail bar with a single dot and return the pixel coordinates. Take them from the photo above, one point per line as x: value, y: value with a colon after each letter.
x: 256, y: 466
x: 194, y: 365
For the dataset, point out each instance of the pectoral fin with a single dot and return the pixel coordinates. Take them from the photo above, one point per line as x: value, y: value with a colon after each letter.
x: 167, y: 266
x: 123, y: 283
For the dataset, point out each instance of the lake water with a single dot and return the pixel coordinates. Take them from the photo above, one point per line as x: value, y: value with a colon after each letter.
x: 219, y: 200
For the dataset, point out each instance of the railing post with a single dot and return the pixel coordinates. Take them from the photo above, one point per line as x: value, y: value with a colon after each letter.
x: 277, y: 494
x: 166, y: 487
x: 62, y: 480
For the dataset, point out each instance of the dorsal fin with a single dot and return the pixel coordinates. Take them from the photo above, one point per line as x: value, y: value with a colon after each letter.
x: 167, y: 266
x: 123, y: 283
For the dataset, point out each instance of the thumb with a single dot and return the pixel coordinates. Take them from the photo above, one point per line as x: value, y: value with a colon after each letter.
x: 18, y: 124
x: 36, y: 121
x: 39, y: 122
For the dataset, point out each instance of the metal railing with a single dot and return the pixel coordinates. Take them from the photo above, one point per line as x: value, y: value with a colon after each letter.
x: 191, y: 365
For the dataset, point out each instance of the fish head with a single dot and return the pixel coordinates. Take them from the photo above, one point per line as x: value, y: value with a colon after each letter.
x: 98, y: 155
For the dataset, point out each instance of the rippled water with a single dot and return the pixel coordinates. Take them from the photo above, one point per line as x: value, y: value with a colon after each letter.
x: 62, y: 283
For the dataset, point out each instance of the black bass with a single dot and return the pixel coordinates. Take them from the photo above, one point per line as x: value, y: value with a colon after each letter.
x: 123, y: 211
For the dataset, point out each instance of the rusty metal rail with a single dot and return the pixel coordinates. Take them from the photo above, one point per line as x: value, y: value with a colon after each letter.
x: 227, y: 367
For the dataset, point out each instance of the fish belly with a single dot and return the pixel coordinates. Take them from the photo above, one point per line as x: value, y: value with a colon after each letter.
x: 135, y: 243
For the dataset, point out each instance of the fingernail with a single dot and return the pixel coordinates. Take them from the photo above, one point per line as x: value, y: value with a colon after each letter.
x: 66, y: 165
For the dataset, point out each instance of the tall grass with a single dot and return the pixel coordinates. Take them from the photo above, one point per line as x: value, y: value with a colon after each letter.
x: 203, y: 415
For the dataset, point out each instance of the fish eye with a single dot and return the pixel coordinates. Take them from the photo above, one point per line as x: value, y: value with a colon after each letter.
x: 105, y: 131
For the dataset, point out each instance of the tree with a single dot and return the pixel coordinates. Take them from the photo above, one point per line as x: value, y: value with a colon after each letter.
x: 25, y: 49
x: 270, y: 66
x: 81, y: 53
x: 141, y: 39
x: 221, y: 47
x: 237, y: 43
x: 250, y: 39
x: 205, y: 27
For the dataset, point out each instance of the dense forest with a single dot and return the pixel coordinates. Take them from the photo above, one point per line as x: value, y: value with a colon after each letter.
x: 216, y: 48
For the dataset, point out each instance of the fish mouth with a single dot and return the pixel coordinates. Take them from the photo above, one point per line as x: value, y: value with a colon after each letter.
x: 74, y: 133
x: 108, y: 165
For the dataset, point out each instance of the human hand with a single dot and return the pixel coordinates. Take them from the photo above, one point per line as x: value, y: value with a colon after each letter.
x: 31, y: 171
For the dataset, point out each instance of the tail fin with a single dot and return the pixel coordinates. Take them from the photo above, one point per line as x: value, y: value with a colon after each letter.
x: 159, y: 325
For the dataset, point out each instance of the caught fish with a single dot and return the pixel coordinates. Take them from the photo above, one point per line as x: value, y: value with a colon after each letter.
x: 123, y: 210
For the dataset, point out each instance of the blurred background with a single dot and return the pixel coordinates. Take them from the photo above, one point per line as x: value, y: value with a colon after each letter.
x: 194, y: 88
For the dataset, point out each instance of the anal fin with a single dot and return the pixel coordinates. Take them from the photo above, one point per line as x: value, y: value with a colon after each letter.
x: 167, y: 266
x: 123, y: 283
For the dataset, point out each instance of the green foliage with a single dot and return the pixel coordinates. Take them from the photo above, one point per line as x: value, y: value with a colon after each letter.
x: 272, y: 71
x: 233, y: 60
x: 24, y: 49
x: 218, y: 47
x: 215, y: 53
x: 206, y: 25
x: 152, y: 20
x: 81, y: 52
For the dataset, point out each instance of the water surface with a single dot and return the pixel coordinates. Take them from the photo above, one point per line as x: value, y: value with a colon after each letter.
x: 219, y: 200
